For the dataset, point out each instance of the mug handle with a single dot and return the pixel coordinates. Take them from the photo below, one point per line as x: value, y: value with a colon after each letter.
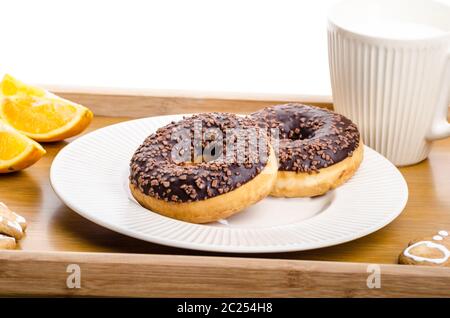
x: 441, y: 127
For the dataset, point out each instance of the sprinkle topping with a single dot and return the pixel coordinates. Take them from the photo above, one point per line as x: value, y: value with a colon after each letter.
x: 210, y: 166
x: 310, y: 138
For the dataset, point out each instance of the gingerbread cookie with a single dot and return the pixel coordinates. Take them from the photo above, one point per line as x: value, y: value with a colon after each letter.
x: 13, y: 216
x: 12, y: 227
x: 7, y: 242
x: 430, y: 251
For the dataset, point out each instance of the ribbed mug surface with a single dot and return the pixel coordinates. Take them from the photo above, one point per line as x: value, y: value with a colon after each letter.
x: 392, y: 89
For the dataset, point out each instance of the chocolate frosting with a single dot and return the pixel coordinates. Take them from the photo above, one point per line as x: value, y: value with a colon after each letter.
x: 154, y: 170
x: 310, y: 138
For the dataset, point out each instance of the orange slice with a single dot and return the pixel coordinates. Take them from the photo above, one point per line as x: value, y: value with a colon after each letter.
x: 11, y: 86
x: 17, y: 151
x: 39, y: 114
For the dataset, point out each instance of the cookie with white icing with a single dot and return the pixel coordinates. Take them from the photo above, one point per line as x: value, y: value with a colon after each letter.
x: 7, y: 242
x: 12, y: 227
x: 430, y: 251
x: 13, y: 216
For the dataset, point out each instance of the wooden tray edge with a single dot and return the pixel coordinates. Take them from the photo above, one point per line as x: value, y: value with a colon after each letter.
x: 142, y: 103
x: 104, y: 274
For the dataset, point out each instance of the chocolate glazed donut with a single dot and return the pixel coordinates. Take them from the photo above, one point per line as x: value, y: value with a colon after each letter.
x: 205, y: 179
x: 318, y: 149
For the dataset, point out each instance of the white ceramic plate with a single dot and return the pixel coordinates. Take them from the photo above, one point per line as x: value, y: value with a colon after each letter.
x: 90, y: 176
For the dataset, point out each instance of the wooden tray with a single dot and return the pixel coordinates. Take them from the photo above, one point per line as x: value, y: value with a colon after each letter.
x: 115, y: 265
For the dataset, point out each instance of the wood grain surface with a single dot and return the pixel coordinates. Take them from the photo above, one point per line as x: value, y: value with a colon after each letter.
x: 54, y: 227
x: 43, y: 274
x: 154, y: 103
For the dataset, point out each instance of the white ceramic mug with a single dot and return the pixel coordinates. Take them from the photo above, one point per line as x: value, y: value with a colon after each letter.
x: 390, y: 73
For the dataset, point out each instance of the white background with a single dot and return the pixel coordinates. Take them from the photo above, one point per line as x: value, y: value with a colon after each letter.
x: 246, y: 46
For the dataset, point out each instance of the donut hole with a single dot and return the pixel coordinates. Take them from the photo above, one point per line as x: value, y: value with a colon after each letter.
x: 212, y: 152
x: 299, y: 133
x: 188, y: 163
x: 209, y: 152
